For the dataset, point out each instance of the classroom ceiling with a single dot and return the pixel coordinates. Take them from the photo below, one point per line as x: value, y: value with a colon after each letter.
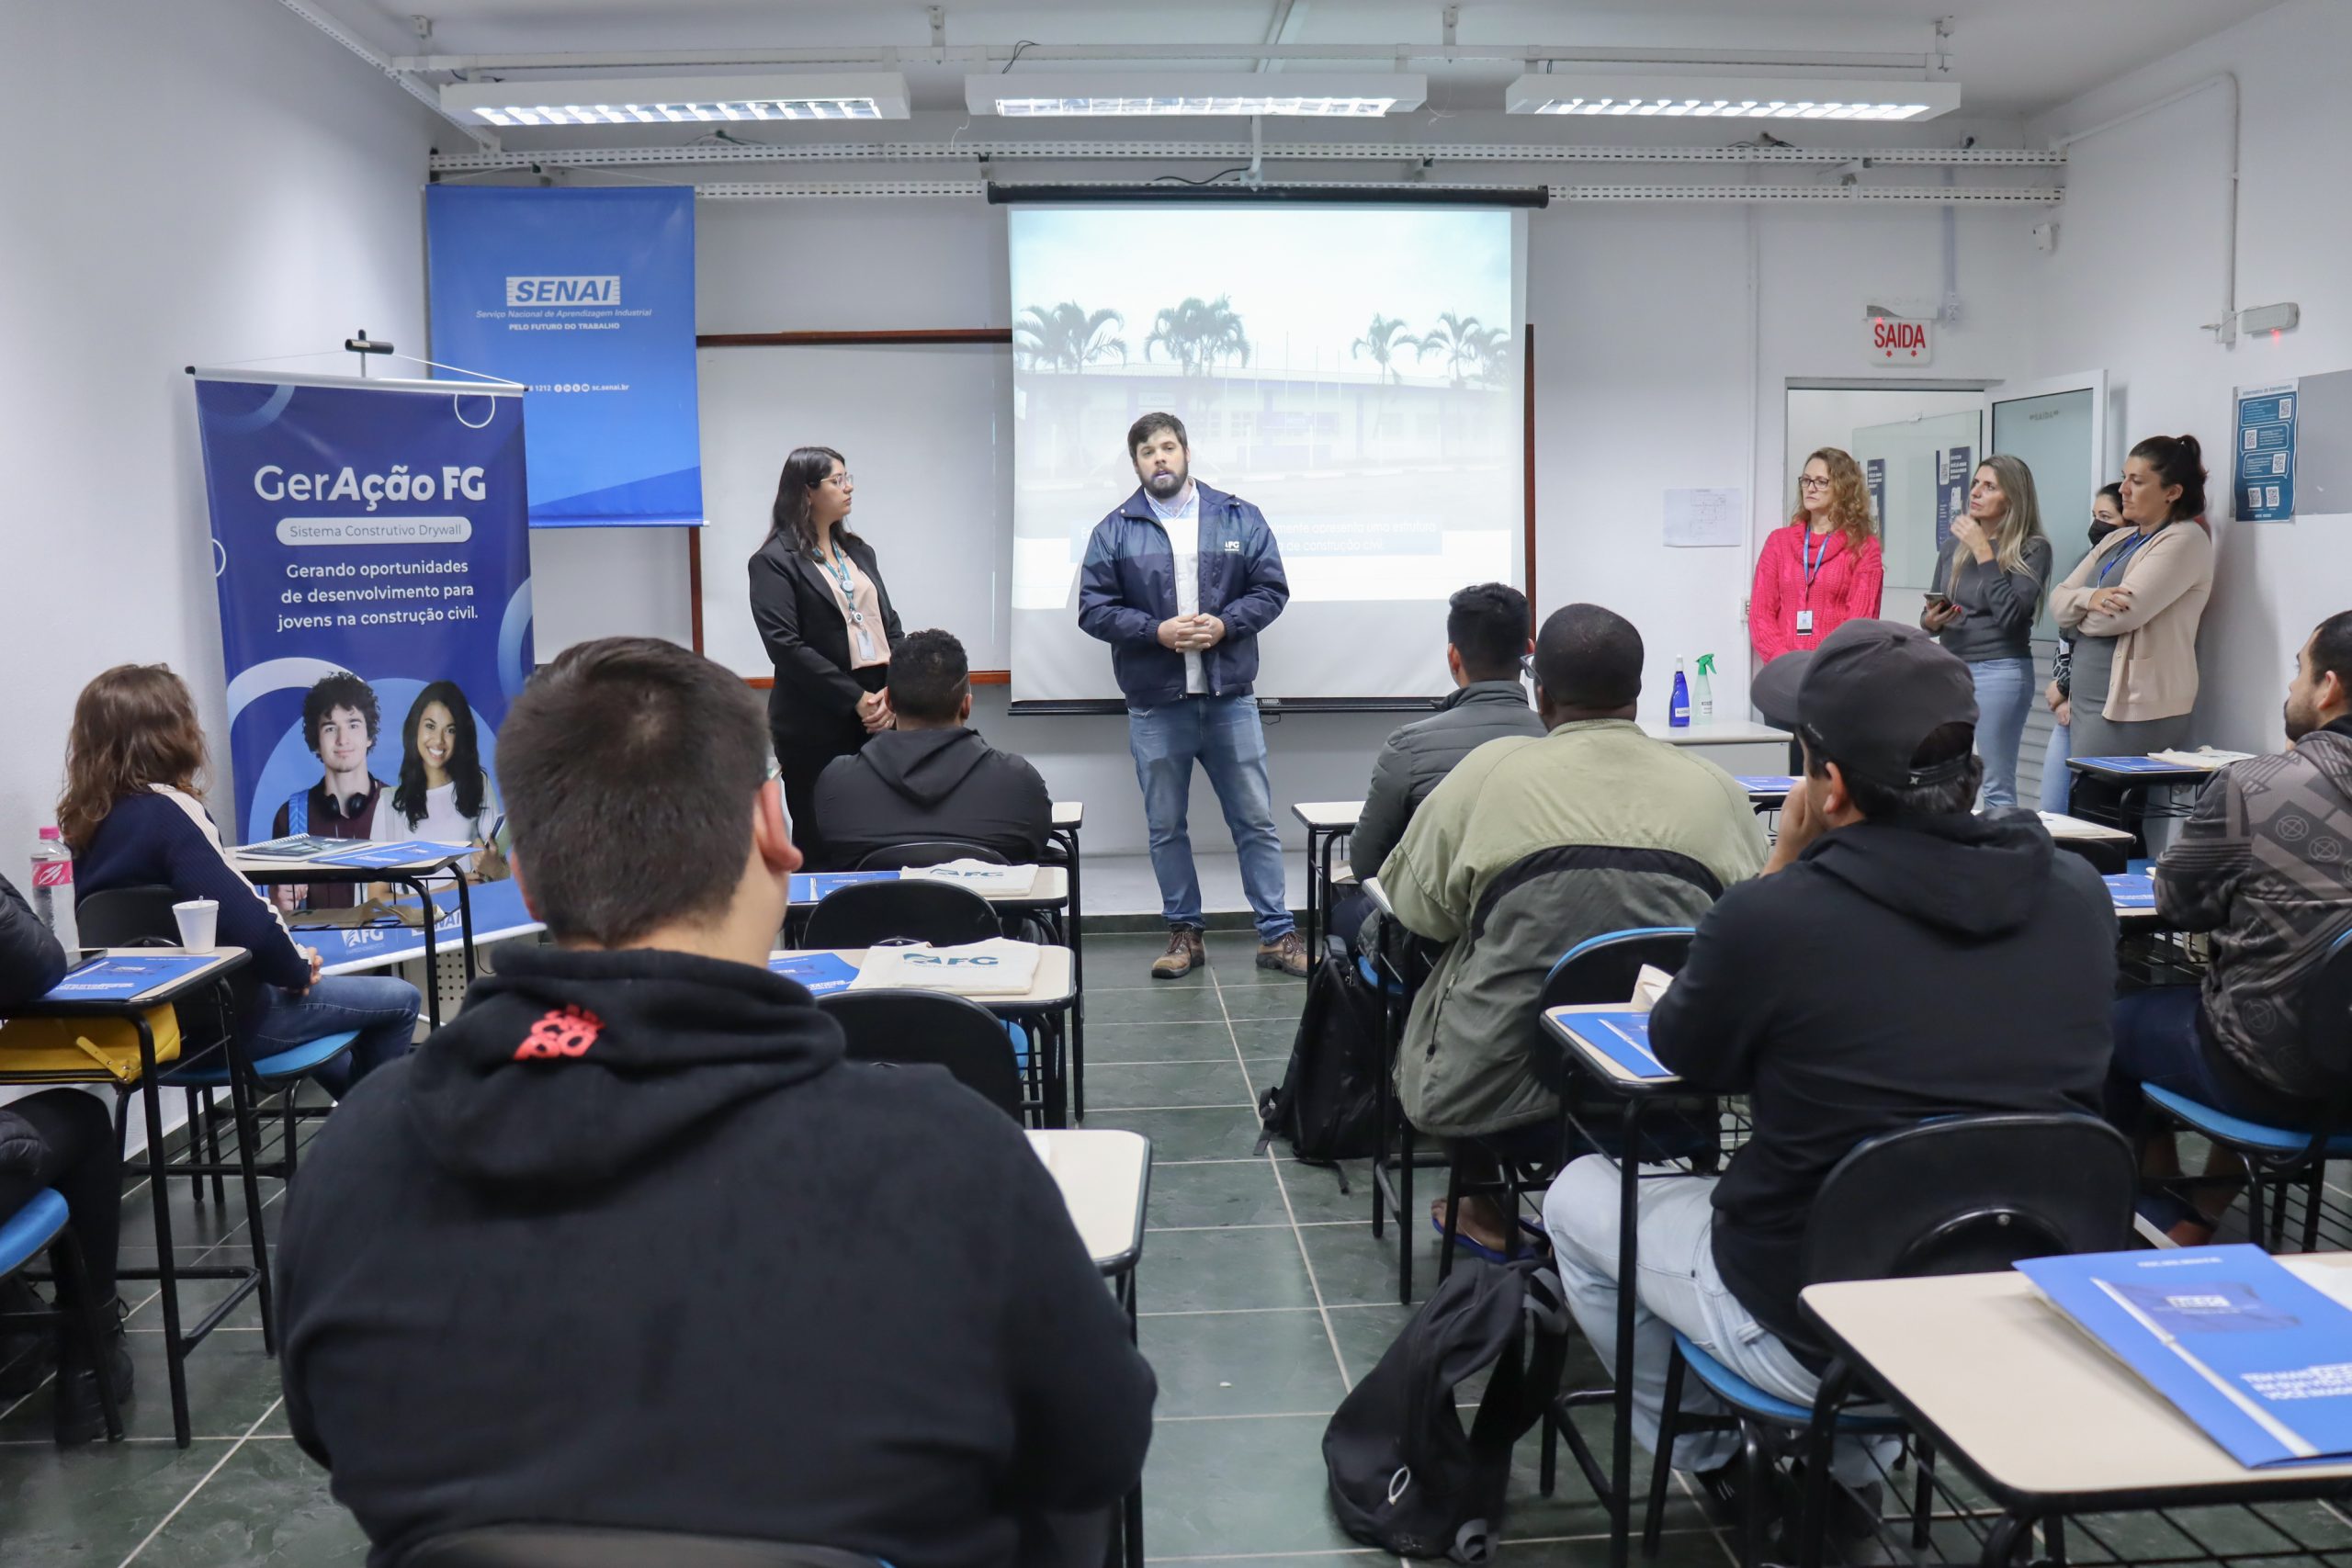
x: 2015, y: 57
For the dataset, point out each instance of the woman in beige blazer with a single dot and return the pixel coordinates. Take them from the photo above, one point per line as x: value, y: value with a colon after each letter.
x: 2134, y: 606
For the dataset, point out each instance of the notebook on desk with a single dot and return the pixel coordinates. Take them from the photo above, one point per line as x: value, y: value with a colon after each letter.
x: 810, y: 886
x: 113, y: 977
x: 978, y: 969
x: 1766, y: 784
x: 1623, y: 1038
x: 293, y: 846
x: 983, y: 877
x: 821, y: 973
x: 2131, y: 890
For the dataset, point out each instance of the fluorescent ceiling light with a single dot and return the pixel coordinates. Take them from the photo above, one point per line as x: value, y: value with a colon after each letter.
x: 679, y: 100
x: 1730, y: 97
x: 1041, y: 95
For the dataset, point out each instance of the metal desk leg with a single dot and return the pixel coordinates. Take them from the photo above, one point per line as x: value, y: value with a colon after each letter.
x: 166, y: 1260
x: 1314, y: 901
x: 465, y: 928
x: 432, y: 968
x: 1068, y: 839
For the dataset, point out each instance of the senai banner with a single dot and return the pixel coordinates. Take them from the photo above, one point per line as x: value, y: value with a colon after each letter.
x: 587, y: 298
x: 374, y: 569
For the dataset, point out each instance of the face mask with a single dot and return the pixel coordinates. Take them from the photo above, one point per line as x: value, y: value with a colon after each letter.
x: 2101, y: 530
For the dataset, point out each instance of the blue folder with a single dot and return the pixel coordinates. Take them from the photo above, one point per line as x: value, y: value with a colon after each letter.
x: 1623, y: 1038
x: 408, y: 852
x: 1766, y: 784
x: 809, y: 887
x: 2260, y: 1358
x: 821, y: 973
x: 2131, y: 890
x: 2133, y: 765
x: 117, y: 979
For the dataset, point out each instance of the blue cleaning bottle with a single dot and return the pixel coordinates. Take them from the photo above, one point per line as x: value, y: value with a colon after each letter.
x: 1679, y: 712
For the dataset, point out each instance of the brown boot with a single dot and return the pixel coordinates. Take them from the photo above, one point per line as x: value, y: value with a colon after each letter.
x: 1287, y: 954
x: 1185, y: 952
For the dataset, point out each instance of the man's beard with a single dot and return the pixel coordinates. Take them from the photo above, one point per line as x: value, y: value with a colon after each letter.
x: 1165, y: 486
x: 2298, y: 725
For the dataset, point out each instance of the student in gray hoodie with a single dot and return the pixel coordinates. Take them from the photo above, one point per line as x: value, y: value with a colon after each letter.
x: 930, y: 776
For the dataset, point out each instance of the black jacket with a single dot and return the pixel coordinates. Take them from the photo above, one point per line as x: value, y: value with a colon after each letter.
x: 1418, y: 755
x: 630, y: 1244
x: 30, y: 960
x: 912, y: 785
x: 812, y: 707
x: 1896, y: 971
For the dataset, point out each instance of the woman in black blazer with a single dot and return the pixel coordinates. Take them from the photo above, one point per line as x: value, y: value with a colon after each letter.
x: 827, y: 624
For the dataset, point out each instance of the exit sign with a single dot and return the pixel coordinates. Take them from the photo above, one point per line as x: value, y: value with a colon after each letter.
x: 1896, y: 342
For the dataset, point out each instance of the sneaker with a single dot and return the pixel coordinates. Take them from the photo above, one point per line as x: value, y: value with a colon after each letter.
x: 1287, y: 954
x: 1185, y: 952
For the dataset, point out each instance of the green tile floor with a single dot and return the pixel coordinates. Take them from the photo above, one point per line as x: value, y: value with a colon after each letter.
x: 1263, y: 1292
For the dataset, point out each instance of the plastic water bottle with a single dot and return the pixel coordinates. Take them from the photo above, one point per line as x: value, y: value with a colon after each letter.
x: 1679, y: 712
x: 1706, y: 692
x: 53, y: 888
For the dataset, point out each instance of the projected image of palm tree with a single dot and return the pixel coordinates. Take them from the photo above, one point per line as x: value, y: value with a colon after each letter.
x: 1067, y: 337
x: 1380, y: 343
x: 1457, y: 340
x: 1197, y: 333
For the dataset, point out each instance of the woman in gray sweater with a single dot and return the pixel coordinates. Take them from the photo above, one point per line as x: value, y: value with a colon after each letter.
x: 1991, y: 577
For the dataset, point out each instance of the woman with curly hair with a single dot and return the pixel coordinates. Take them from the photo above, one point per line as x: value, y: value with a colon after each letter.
x: 1824, y: 568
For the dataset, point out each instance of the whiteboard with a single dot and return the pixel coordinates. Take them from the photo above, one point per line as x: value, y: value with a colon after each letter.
x: 924, y: 429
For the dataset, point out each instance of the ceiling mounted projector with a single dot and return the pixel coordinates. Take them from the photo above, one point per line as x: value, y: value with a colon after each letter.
x: 679, y: 100
x: 1730, y: 97
x: 1044, y: 94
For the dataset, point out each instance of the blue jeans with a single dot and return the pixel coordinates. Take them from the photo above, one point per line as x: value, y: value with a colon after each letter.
x: 2057, y: 779
x: 2004, y: 690
x: 381, y: 1008
x: 2158, y: 1041
x: 1224, y: 735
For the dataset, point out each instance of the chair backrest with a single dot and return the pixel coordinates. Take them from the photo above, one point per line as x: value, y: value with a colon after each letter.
x: 1967, y: 1194
x: 866, y: 913
x: 128, y: 916
x: 2327, y: 1015
x: 936, y: 1028
x: 927, y: 851
x: 1595, y: 971
x: 589, y: 1546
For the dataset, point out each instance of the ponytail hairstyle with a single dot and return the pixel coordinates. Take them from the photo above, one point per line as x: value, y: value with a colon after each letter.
x: 2178, y: 460
x: 803, y: 470
x: 2020, y: 518
x: 1849, y: 498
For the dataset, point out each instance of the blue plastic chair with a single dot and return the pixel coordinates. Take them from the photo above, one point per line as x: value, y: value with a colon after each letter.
x: 44, y: 1224
x: 2280, y: 1157
x: 1955, y: 1194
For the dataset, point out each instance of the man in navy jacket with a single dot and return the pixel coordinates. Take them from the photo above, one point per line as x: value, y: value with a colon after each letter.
x: 1180, y: 580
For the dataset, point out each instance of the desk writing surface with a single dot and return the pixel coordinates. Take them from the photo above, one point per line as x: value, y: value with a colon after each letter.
x: 1561, y: 1024
x: 1051, y: 987
x: 1069, y: 813
x: 268, y: 869
x: 1051, y: 888
x: 1720, y: 732
x: 221, y: 959
x: 1379, y: 896
x: 2032, y: 1401
x: 1330, y: 816
x: 2060, y: 826
x: 1103, y: 1175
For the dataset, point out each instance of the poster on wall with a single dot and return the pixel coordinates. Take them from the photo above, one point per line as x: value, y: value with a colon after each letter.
x: 1951, y: 493
x: 373, y: 567
x: 1874, y: 480
x: 2265, y: 488
x: 587, y: 298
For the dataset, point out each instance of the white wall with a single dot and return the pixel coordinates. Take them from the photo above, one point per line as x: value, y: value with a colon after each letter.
x: 2139, y: 268
x: 246, y: 187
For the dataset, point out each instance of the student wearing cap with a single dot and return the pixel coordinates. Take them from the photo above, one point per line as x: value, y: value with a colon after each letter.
x: 1928, y: 934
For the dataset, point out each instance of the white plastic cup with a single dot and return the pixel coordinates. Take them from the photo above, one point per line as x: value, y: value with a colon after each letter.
x: 199, y: 922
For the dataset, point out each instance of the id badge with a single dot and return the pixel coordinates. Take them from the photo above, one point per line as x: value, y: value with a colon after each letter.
x: 866, y: 641
x: 1804, y: 623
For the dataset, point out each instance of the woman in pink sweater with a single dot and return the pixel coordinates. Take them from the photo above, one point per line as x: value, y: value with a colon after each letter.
x: 1824, y: 568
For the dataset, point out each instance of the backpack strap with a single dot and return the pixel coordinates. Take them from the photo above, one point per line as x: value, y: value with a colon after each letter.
x: 1521, y: 1387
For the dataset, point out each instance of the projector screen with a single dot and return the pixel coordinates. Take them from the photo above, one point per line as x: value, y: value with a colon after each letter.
x: 1355, y: 372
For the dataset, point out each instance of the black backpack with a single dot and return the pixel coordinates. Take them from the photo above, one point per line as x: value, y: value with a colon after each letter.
x: 1404, y: 1476
x: 1327, y: 1104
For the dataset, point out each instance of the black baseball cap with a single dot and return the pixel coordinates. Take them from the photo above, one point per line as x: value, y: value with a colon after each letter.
x: 1868, y: 697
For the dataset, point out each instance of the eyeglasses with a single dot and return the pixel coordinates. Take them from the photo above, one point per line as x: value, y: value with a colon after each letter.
x: 840, y: 480
x: 1809, y: 482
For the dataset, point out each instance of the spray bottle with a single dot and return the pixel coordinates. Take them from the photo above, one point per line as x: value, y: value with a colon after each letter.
x: 1679, y: 712
x: 1706, y: 692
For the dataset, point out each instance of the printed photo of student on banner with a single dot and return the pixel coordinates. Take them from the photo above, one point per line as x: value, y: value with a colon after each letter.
x: 372, y: 556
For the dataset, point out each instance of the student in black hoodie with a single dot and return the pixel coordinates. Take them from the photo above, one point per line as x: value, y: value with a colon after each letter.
x: 930, y: 777
x: 1899, y: 959
x: 630, y: 1244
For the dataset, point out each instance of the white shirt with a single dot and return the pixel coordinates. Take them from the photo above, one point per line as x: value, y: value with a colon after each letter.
x: 442, y: 823
x: 1182, y: 525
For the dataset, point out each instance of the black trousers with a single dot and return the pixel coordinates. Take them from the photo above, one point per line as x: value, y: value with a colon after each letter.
x: 78, y: 1158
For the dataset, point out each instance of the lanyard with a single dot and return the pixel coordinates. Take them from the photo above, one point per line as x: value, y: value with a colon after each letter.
x: 2123, y: 553
x: 839, y: 571
x: 1813, y: 567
